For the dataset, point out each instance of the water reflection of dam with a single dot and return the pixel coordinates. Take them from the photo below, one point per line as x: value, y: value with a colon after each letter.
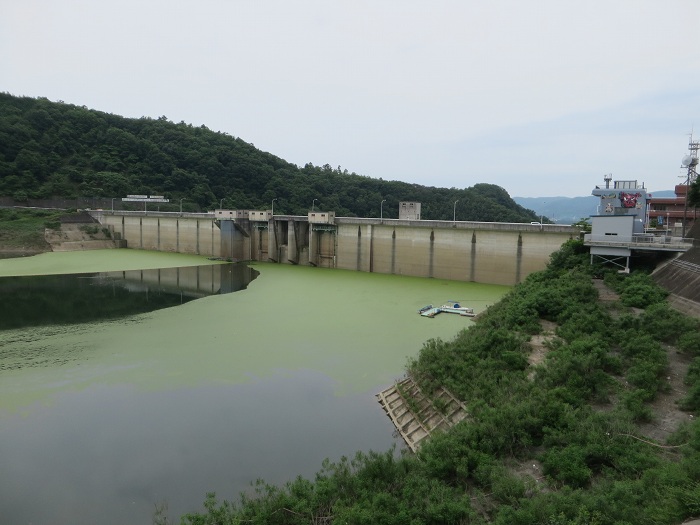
x: 487, y: 252
x: 78, y: 298
x: 190, y: 281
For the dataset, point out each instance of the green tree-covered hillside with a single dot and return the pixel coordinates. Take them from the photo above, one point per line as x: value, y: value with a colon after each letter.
x: 53, y: 149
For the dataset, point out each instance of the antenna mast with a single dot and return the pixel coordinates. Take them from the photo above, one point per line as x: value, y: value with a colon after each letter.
x: 690, y: 162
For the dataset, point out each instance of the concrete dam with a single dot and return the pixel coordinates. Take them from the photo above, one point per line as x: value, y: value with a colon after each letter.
x: 486, y: 252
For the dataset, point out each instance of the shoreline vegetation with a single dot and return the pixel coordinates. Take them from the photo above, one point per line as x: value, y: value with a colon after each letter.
x: 22, y: 231
x: 566, y: 393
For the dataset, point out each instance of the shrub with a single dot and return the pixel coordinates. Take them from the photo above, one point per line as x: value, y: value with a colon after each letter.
x: 636, y: 290
x: 20, y: 196
x: 690, y: 342
x: 666, y: 324
x: 567, y: 465
x: 635, y: 402
x: 572, y: 254
x: 90, y: 230
x: 691, y: 402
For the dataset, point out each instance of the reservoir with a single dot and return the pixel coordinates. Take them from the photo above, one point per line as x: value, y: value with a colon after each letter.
x: 103, y: 418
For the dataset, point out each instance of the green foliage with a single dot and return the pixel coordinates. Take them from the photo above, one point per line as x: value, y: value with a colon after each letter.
x: 91, y: 229
x: 635, y: 403
x: 584, y: 224
x: 371, y: 488
x: 20, y: 196
x: 694, y: 194
x: 576, y: 372
x: 638, y: 289
x: 572, y: 254
x: 691, y: 402
x: 689, y: 342
x: 25, y: 228
x: 668, y: 325
x: 56, y: 149
x: 567, y: 465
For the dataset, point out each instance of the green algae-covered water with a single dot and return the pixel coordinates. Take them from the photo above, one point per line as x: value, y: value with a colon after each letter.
x: 99, y: 421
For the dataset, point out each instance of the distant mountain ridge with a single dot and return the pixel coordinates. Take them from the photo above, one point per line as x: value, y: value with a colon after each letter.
x: 567, y: 210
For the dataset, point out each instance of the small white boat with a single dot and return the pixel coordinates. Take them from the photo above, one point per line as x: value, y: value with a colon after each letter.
x: 456, y: 308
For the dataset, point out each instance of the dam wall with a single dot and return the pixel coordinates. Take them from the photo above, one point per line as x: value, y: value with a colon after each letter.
x: 497, y: 253
x: 194, y: 233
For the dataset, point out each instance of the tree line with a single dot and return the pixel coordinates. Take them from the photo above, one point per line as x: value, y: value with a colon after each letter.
x: 53, y: 149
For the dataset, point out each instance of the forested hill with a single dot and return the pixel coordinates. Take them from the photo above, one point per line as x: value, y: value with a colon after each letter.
x: 53, y: 149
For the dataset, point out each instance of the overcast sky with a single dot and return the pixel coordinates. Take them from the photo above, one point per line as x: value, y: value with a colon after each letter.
x: 540, y: 97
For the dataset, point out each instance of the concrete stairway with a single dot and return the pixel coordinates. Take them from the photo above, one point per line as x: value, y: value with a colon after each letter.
x: 415, y: 415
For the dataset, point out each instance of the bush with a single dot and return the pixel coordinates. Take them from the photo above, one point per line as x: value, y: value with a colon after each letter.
x: 567, y: 465
x: 20, y: 196
x: 572, y: 254
x: 90, y: 230
x: 666, y: 324
x: 689, y: 342
x: 636, y: 290
x: 635, y: 402
x: 691, y: 402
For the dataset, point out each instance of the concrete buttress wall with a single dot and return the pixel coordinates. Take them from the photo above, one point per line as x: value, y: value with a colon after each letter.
x: 183, y: 234
x: 487, y: 255
x: 498, y: 253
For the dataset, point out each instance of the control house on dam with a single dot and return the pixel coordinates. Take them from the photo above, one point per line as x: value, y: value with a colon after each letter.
x: 486, y: 252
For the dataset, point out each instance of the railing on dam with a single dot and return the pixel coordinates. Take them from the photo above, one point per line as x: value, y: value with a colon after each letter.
x: 641, y: 241
x: 466, y: 225
x: 149, y: 213
x: 375, y: 221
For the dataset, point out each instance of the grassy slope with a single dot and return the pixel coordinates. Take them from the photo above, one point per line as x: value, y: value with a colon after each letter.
x: 23, y: 230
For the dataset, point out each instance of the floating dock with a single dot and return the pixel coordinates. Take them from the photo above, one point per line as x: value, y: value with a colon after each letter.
x: 452, y: 308
x: 415, y: 415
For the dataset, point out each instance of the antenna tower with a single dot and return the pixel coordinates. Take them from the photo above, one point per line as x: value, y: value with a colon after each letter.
x: 689, y: 162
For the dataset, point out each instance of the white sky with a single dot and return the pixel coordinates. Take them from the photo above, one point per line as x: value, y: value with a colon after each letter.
x: 542, y: 97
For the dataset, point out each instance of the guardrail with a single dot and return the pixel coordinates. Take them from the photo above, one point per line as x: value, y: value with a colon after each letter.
x: 149, y: 213
x: 641, y: 241
x: 686, y: 265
